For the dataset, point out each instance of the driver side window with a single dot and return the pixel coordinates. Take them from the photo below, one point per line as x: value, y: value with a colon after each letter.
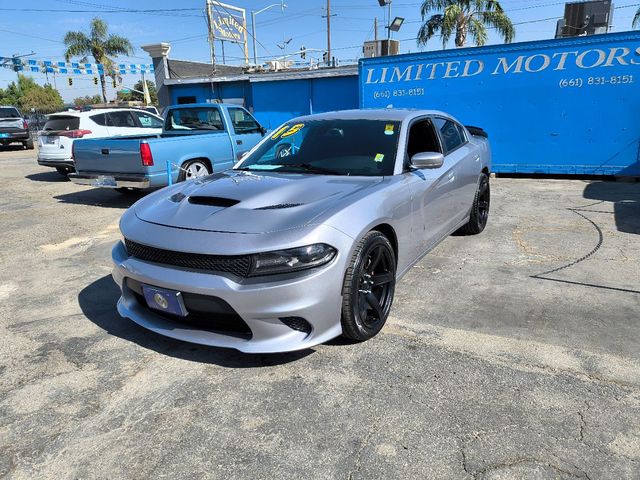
x: 422, y: 138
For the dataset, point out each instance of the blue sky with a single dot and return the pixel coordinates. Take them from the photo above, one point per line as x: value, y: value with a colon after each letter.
x: 22, y: 32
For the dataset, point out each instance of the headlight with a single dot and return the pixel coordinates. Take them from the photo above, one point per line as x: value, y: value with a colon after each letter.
x: 291, y: 260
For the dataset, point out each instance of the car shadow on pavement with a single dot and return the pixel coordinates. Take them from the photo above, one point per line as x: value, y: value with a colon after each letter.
x: 51, y: 176
x: 625, y: 197
x: 101, y: 197
x: 98, y: 303
x: 12, y: 148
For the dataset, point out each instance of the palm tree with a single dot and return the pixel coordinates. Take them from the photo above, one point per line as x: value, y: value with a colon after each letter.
x: 99, y: 45
x: 636, y: 19
x: 464, y: 17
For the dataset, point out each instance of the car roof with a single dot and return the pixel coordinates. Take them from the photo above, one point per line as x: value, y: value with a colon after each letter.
x: 96, y: 111
x: 388, y: 114
x: 205, y: 105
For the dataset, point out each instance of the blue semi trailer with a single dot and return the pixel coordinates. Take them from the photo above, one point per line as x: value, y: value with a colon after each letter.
x: 566, y: 106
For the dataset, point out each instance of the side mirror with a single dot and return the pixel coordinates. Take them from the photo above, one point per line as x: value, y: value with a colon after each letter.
x: 263, y: 131
x: 427, y: 160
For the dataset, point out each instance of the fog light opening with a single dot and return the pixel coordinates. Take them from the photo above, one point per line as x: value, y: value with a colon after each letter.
x: 297, y: 323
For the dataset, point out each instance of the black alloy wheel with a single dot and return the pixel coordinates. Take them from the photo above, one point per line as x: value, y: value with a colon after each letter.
x: 479, y: 214
x: 368, y: 287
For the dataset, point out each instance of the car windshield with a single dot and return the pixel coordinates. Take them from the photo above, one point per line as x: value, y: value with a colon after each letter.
x: 334, y: 147
x: 195, y: 119
x: 9, y: 112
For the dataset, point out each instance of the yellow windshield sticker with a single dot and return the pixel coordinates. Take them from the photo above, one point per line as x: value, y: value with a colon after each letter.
x: 379, y: 157
x: 388, y: 129
x: 279, y: 132
x: 293, y: 130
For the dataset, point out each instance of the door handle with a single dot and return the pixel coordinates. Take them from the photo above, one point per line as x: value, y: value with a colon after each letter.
x: 239, y: 142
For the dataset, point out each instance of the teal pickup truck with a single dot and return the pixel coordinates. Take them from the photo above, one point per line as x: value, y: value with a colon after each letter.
x: 196, y: 140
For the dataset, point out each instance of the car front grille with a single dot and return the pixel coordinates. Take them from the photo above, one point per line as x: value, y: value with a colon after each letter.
x: 238, y: 265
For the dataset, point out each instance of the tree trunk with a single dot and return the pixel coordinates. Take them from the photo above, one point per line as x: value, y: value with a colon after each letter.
x: 104, y: 88
x: 461, y: 35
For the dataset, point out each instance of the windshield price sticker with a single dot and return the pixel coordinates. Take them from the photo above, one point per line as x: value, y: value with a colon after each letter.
x: 286, y: 131
x: 388, y: 129
x: 379, y: 157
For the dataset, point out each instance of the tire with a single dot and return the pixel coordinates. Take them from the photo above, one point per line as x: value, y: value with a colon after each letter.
x: 29, y: 144
x: 194, y: 169
x: 64, y: 171
x: 365, y: 305
x: 480, y: 208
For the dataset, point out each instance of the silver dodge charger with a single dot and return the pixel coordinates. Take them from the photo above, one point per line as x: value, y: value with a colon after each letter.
x: 305, y: 238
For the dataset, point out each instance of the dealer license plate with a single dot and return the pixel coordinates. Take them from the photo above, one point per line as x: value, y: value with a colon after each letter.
x: 164, y: 300
x: 105, y: 181
x: 50, y: 140
x: 4, y: 135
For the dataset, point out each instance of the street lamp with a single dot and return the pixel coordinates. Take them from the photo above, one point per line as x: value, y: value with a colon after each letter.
x: 253, y: 25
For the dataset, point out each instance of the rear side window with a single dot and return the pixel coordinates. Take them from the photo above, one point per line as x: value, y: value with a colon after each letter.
x: 242, y: 121
x: 148, y: 121
x: 195, y: 119
x: 452, y: 136
x: 9, y: 112
x: 62, y: 122
x: 100, y: 119
x: 120, y: 119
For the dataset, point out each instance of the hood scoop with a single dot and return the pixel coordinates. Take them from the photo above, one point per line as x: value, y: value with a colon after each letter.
x: 213, y: 201
x: 279, y: 206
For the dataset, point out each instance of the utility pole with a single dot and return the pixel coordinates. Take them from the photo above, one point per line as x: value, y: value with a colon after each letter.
x: 375, y: 29
x: 329, y: 32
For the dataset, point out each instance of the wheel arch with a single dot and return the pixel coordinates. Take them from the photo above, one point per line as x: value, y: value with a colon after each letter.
x: 389, y: 232
x: 202, y: 158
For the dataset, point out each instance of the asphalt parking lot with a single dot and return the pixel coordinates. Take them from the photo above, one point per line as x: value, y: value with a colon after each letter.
x: 513, y: 354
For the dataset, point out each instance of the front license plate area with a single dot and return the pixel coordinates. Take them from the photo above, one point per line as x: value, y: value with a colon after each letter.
x: 104, y: 181
x: 164, y: 300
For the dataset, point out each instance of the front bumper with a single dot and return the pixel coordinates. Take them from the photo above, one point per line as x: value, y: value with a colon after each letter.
x: 119, y: 181
x: 314, y: 296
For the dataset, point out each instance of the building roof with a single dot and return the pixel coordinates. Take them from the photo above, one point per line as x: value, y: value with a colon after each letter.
x: 182, y: 69
x: 186, y: 72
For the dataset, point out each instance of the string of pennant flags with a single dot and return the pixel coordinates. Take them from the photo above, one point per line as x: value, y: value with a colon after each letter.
x: 72, y: 68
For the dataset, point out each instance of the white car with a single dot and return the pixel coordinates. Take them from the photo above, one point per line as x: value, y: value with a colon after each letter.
x: 55, y: 141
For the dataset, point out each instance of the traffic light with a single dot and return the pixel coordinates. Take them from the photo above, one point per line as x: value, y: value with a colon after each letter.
x: 95, y: 80
x: 303, y: 52
x: 70, y: 80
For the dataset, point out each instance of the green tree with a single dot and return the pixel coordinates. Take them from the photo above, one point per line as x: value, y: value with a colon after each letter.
x: 464, y: 18
x: 87, y: 100
x: 27, y: 94
x: 43, y: 99
x: 100, y: 45
x: 135, y: 96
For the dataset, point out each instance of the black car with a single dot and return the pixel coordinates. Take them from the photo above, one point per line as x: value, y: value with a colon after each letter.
x: 14, y: 128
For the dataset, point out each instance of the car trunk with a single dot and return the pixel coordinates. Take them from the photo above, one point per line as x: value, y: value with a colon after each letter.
x: 56, y: 137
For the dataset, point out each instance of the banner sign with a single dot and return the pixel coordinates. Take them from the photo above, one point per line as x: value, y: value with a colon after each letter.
x: 72, y: 68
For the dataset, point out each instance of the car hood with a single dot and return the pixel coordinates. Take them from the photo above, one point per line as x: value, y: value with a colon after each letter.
x: 249, y: 202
